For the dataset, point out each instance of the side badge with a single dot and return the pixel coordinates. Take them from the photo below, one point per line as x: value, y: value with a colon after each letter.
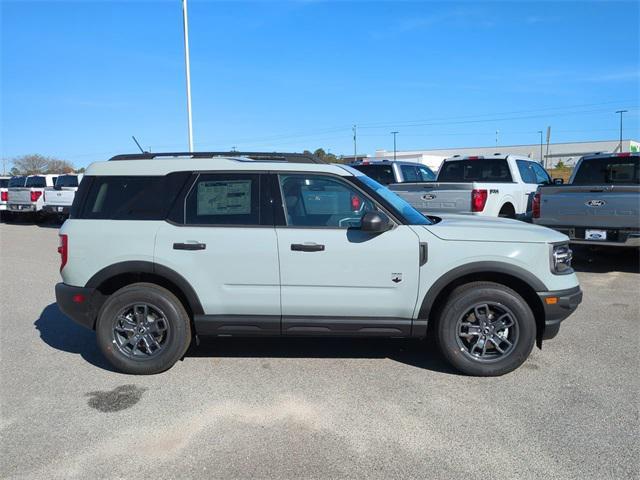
x: 396, y: 277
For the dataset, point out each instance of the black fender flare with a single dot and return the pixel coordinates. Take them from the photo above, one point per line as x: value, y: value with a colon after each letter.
x: 488, y: 267
x: 136, y: 267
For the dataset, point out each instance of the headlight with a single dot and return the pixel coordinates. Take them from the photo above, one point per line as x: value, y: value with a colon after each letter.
x: 561, y: 256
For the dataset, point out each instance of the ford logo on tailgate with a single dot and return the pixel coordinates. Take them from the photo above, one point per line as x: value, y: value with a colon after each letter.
x: 428, y: 196
x: 595, y: 203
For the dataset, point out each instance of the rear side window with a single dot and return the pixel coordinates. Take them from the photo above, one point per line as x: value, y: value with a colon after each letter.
x: 224, y: 199
x: 17, y: 181
x: 129, y: 197
x: 381, y: 173
x: 67, y: 181
x: 36, y: 182
x: 615, y: 170
x: 416, y: 173
x: 526, y: 172
x: 480, y: 170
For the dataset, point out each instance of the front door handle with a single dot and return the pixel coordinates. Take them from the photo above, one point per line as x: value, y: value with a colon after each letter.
x: 189, y: 246
x: 307, y: 247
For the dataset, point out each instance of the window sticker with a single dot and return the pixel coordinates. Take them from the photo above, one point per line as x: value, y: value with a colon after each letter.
x: 228, y: 197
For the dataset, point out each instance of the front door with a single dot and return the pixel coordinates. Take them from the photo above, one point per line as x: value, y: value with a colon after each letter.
x: 226, y: 249
x: 335, y: 278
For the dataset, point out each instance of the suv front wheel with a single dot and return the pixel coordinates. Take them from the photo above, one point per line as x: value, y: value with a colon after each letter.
x: 486, y: 329
x: 143, y: 329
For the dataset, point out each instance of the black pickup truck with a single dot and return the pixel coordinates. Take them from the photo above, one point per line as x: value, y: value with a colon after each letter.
x: 600, y: 204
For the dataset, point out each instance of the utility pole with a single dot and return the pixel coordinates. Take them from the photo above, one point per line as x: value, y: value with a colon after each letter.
x: 355, y: 143
x: 185, y: 25
x: 497, y: 133
x: 394, y: 144
x: 621, y: 112
x: 541, y: 158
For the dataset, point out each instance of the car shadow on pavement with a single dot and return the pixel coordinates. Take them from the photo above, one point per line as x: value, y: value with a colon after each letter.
x: 417, y: 353
x: 605, y: 259
x: 60, y: 332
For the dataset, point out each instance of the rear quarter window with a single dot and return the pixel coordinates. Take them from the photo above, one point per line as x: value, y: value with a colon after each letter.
x: 480, y: 170
x: 127, y: 197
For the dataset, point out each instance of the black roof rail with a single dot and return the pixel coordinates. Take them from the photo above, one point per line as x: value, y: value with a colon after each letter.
x: 258, y: 156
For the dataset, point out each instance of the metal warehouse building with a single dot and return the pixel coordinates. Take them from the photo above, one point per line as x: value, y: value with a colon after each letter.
x: 568, y: 153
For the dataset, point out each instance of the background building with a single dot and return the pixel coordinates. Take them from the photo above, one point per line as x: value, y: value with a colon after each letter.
x: 568, y: 153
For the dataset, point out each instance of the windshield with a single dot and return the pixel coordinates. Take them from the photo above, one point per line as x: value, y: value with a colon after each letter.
x: 17, y: 181
x: 67, y: 181
x: 616, y: 170
x: 401, y: 207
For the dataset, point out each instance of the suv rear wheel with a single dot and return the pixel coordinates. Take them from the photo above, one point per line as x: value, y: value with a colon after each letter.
x: 143, y: 329
x: 486, y: 329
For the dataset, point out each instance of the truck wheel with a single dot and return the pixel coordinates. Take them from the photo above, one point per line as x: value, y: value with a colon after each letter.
x: 486, y: 329
x: 143, y: 329
x: 507, y: 211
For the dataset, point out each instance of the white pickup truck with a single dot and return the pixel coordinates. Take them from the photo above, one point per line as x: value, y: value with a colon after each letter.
x: 494, y: 186
x: 58, y: 199
x: 29, y: 198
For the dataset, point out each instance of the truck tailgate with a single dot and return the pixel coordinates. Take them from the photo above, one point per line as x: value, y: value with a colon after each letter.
x: 613, y: 206
x: 62, y: 197
x: 436, y: 197
x: 19, y: 195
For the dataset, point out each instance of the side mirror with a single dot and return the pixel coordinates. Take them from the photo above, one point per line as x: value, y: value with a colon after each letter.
x: 375, y: 222
x: 558, y: 181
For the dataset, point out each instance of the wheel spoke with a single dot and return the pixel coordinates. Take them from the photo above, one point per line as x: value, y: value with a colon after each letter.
x: 151, y: 340
x: 141, y: 312
x: 503, y: 321
x: 481, y: 315
x: 468, y: 329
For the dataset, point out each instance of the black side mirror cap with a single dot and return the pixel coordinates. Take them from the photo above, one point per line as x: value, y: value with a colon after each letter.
x: 558, y: 181
x: 375, y: 222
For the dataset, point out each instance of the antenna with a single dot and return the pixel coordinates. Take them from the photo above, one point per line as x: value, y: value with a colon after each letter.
x: 134, y: 139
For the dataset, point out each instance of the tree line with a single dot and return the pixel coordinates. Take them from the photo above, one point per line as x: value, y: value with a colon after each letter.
x: 35, y: 163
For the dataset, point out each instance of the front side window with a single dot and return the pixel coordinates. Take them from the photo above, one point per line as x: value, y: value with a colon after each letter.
x: 542, y: 177
x: 322, y: 201
x: 224, y: 199
x: 426, y: 174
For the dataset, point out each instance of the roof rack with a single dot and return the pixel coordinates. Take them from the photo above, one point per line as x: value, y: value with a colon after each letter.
x: 258, y: 156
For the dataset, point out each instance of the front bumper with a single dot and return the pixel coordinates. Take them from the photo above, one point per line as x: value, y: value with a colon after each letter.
x: 56, y: 209
x: 79, y: 304
x: 558, y: 305
x: 21, y: 207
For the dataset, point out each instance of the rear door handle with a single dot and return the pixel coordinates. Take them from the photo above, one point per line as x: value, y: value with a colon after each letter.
x: 307, y: 247
x: 189, y: 246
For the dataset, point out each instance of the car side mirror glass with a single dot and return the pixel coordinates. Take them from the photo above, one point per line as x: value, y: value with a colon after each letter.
x: 558, y: 181
x: 375, y: 222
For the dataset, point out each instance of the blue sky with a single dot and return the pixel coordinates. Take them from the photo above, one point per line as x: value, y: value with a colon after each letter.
x: 79, y: 78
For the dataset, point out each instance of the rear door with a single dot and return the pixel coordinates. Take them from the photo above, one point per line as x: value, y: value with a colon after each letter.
x: 335, y: 278
x: 223, y: 242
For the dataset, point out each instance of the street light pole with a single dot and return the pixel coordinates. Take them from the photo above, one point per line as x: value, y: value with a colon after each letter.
x: 355, y: 147
x: 541, y: 159
x: 394, y: 144
x: 185, y: 25
x: 621, y: 112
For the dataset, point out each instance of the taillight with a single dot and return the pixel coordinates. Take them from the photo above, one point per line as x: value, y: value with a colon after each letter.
x: 4, y: 196
x: 623, y: 154
x: 63, y: 250
x: 356, y: 203
x: 35, y: 196
x: 535, y: 205
x: 478, y: 200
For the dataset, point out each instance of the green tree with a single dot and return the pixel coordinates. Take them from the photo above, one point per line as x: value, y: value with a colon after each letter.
x: 560, y: 164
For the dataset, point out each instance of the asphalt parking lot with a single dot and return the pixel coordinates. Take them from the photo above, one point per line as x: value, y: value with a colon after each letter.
x: 313, y: 408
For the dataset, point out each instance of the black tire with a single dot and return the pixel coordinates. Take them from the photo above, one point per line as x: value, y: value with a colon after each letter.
x: 484, y: 304
x: 163, y: 308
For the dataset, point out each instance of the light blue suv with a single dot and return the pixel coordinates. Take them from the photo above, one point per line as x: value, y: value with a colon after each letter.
x: 162, y: 248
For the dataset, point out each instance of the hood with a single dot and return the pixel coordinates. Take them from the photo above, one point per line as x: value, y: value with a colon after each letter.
x: 491, y: 229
